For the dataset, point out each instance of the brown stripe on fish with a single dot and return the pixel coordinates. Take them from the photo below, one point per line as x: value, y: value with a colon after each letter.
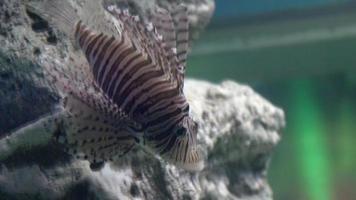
x: 163, y: 107
x: 109, y: 61
x: 155, y: 95
x: 84, y: 36
x: 125, y: 65
x: 164, y: 145
x: 142, y: 94
x: 169, y: 145
x: 160, y: 134
x: 110, y: 78
x: 103, y: 66
x: 100, y: 57
x: 78, y: 28
x: 128, y: 49
x: 147, y: 66
x: 129, y: 65
x: 164, y: 25
x: 165, y: 127
x: 161, y: 117
x: 137, y: 99
x: 134, y: 84
x: 137, y: 77
x: 94, y: 51
x: 181, y: 21
x: 174, y: 105
x: 161, y: 127
x: 162, y: 110
x: 99, y: 49
x: 89, y: 43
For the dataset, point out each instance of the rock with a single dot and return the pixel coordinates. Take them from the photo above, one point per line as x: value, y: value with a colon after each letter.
x: 238, y: 129
x: 24, y: 37
x: 200, y: 11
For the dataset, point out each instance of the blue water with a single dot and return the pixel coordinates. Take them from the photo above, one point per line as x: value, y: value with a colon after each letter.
x: 241, y: 8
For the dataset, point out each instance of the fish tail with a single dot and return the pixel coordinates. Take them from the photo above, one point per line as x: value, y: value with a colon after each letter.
x: 59, y: 13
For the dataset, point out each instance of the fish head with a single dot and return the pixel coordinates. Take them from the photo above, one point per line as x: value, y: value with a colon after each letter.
x: 185, y: 152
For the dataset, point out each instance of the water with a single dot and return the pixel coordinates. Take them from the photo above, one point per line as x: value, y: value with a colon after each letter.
x: 306, y: 65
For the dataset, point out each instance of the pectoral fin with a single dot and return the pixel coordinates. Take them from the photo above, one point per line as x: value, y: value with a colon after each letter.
x: 92, y: 135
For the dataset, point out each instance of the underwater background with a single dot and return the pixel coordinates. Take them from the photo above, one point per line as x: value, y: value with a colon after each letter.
x: 301, y: 55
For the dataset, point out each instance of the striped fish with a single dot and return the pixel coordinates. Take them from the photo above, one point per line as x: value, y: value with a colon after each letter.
x: 133, y: 86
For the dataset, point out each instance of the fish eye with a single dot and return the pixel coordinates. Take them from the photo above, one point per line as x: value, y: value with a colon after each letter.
x: 186, y: 109
x: 181, y: 131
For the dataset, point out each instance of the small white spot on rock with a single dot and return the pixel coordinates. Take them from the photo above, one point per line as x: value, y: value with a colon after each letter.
x: 149, y: 26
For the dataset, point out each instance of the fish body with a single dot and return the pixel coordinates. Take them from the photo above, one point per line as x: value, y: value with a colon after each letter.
x: 137, y: 72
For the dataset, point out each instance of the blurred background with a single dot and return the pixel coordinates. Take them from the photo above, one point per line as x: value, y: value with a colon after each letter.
x: 301, y: 55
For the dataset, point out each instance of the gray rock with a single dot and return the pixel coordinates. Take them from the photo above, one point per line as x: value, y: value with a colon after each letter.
x: 238, y: 129
x: 24, y: 36
x: 200, y: 11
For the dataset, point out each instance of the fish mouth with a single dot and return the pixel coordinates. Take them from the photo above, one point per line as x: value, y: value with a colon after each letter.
x: 181, y: 151
x: 193, y: 163
x: 185, y: 154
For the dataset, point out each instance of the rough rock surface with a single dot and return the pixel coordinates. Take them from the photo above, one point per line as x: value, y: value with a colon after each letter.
x: 238, y: 130
x: 24, y: 36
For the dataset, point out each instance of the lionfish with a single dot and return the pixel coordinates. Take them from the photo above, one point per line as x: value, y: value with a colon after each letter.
x: 131, y: 90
